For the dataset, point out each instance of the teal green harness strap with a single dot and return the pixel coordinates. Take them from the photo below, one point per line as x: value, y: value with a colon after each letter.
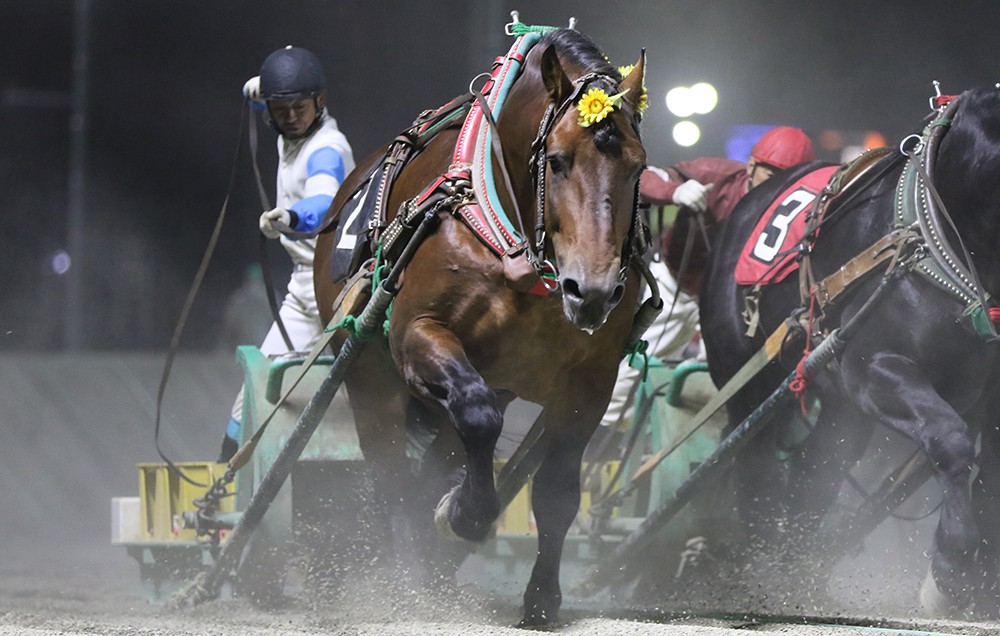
x: 520, y: 29
x: 980, y: 318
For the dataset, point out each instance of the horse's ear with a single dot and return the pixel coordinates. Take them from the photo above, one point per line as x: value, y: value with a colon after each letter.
x: 635, y: 81
x: 558, y: 85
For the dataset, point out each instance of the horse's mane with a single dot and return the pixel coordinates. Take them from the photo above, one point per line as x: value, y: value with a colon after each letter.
x: 969, y: 149
x: 577, y: 49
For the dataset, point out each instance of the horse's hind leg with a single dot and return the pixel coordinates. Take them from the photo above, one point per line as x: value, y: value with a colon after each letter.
x: 433, y: 444
x: 891, y: 387
x: 436, y: 368
x: 760, y: 474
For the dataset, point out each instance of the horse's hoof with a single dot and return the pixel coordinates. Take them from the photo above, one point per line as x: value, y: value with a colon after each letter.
x: 933, y: 602
x: 441, y: 521
x: 453, y: 525
x: 539, y: 620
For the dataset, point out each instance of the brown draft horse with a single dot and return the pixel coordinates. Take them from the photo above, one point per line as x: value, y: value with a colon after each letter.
x: 461, y: 344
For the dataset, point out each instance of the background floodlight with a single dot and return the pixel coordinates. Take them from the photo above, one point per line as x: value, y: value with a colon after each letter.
x: 679, y: 101
x: 703, y: 97
x: 686, y: 133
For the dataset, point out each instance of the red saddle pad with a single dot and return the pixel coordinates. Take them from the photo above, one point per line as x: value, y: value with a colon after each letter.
x: 770, y: 254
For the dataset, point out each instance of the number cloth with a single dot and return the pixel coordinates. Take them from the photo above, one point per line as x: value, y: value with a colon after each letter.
x: 772, y: 252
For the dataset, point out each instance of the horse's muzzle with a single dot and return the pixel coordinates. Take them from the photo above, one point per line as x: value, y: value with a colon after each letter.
x: 588, y: 306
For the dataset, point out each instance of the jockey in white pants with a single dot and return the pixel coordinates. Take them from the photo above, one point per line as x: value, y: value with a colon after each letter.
x: 706, y: 190
x: 313, y: 158
x: 668, y: 336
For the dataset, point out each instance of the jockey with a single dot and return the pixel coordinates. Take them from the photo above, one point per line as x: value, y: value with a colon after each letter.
x: 313, y: 159
x: 706, y: 190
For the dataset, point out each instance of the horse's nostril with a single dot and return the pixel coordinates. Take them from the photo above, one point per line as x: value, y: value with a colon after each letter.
x: 572, y: 288
x: 617, y: 294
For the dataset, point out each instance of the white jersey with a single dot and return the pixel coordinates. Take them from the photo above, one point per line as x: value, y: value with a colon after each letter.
x: 310, y: 170
x: 308, y: 178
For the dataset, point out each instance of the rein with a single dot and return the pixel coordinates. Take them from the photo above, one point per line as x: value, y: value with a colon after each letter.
x: 552, y: 115
x: 272, y: 301
x: 175, y: 339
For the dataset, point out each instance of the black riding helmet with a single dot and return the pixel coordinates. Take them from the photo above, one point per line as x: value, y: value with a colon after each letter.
x: 292, y: 73
x: 289, y: 73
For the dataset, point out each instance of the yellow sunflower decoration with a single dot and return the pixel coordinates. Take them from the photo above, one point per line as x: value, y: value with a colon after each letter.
x: 644, y: 98
x: 595, y: 105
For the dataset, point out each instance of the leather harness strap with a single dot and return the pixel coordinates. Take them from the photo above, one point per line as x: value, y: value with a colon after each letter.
x: 847, y: 175
x: 890, y: 246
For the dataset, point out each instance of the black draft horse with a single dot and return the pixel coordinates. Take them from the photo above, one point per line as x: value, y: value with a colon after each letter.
x: 461, y: 343
x: 917, y: 364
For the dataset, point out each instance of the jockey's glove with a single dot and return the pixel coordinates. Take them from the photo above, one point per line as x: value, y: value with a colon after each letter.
x: 269, y: 218
x: 251, y: 91
x: 692, y: 194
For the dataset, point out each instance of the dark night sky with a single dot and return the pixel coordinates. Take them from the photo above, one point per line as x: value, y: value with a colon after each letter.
x: 163, y: 111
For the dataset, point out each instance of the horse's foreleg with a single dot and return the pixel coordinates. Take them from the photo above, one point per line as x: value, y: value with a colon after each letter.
x: 891, y: 387
x: 555, y: 497
x: 436, y: 369
x: 555, y: 501
x: 378, y: 400
x: 986, y: 496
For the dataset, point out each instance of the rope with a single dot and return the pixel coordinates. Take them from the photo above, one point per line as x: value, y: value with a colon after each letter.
x: 377, y: 267
x: 350, y: 323
x: 800, y: 382
x: 639, y: 348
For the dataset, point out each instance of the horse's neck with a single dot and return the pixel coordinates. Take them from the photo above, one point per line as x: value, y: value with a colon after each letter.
x: 972, y: 201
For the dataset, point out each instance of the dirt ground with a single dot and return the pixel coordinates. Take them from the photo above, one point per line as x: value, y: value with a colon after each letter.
x: 74, y: 427
x: 43, y: 605
x: 75, y: 589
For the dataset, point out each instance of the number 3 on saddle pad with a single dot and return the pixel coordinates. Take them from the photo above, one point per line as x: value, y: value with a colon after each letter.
x: 770, y: 255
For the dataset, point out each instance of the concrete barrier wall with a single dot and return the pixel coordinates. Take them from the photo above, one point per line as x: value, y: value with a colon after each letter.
x: 73, y: 428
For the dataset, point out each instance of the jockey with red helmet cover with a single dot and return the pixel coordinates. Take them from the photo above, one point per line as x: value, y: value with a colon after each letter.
x: 313, y: 159
x: 780, y: 148
x: 711, y: 187
x: 706, y: 190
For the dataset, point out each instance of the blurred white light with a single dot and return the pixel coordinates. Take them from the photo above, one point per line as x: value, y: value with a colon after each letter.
x: 679, y: 101
x: 686, y: 133
x: 703, y: 97
x: 61, y: 262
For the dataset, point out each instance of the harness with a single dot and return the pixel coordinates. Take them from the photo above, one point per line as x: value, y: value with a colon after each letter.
x: 819, y: 295
x: 920, y: 227
x: 471, y: 181
x: 917, y: 202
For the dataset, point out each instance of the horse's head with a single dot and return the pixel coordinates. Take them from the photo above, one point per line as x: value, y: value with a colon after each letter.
x: 589, y: 183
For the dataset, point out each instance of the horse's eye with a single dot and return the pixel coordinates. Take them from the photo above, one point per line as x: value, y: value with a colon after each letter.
x: 558, y: 164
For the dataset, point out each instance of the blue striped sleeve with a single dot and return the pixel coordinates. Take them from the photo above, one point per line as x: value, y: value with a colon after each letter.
x: 324, y: 171
x: 326, y: 160
x: 311, y: 211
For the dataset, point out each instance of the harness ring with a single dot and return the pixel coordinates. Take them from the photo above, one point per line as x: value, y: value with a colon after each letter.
x: 550, y: 284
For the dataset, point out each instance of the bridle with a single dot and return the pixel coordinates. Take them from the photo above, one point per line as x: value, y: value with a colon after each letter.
x: 538, y: 163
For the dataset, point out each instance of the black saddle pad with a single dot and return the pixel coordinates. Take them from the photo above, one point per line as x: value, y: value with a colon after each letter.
x: 350, y: 246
